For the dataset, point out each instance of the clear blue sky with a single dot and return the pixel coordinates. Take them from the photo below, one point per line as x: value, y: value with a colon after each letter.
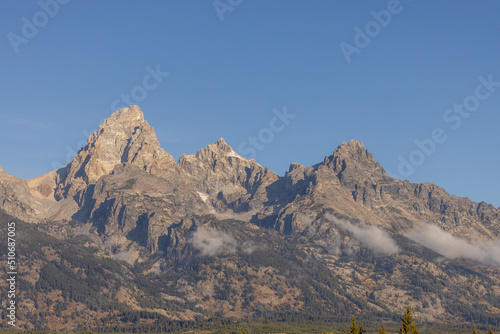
x: 227, y: 76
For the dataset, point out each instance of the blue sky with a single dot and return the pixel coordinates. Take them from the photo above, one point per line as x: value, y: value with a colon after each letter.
x: 226, y: 76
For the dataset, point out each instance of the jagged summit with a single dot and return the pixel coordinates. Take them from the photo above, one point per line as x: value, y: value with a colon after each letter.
x: 217, y: 170
x: 126, y: 198
x: 222, y: 143
x: 227, y: 181
x: 352, y: 143
x: 352, y: 157
x: 353, y: 150
x: 214, y: 155
x: 125, y: 137
x: 125, y: 116
x: 220, y: 146
x: 219, y: 149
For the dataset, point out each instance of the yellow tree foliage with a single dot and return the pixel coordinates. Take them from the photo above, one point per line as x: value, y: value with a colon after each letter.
x: 356, y: 328
x: 408, y: 325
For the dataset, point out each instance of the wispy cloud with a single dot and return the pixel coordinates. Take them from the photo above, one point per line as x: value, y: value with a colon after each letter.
x: 9, y: 120
x: 442, y: 242
x: 371, y: 236
x: 128, y: 256
x: 211, y: 242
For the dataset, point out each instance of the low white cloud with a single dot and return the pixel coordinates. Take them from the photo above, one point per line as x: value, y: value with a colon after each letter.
x: 129, y: 256
x: 336, y: 247
x: 442, y: 242
x: 211, y: 242
x: 307, y: 220
x: 83, y: 231
x: 371, y: 236
x: 249, y: 247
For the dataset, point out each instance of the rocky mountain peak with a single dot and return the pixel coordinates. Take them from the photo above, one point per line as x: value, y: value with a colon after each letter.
x: 220, y: 147
x: 214, y: 154
x: 125, y: 137
x: 125, y: 117
x: 217, y: 157
x: 220, y: 172
x: 15, y: 197
x: 294, y: 165
x: 222, y: 144
x: 353, y: 150
x: 354, y: 225
x: 352, y: 155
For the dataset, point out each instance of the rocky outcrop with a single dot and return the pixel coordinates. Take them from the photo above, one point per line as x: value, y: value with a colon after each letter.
x: 401, y: 201
x: 207, y: 225
x: 125, y: 137
x: 111, y: 180
x: 139, y: 206
x: 351, y: 183
x: 226, y: 179
x: 15, y: 196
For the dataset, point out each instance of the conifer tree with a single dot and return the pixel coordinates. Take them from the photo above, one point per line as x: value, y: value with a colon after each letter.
x: 474, y: 331
x: 382, y: 330
x: 408, y: 325
x: 491, y: 331
x: 354, y: 326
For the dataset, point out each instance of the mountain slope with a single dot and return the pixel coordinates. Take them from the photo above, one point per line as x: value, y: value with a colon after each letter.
x: 216, y: 235
x: 227, y: 179
x: 351, y: 184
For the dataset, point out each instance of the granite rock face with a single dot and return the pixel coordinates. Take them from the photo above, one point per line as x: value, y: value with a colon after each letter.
x: 134, y: 201
x: 125, y: 137
x: 350, y: 183
x: 139, y: 206
x: 226, y: 179
x: 401, y: 201
x: 124, y: 153
x: 131, y: 190
x: 15, y: 196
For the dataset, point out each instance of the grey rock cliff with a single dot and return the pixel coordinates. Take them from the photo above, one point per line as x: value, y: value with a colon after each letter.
x: 227, y: 179
x: 125, y: 137
x: 221, y: 229
x: 351, y: 183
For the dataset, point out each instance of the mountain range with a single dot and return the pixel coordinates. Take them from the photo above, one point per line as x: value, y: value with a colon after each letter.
x: 126, y: 237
